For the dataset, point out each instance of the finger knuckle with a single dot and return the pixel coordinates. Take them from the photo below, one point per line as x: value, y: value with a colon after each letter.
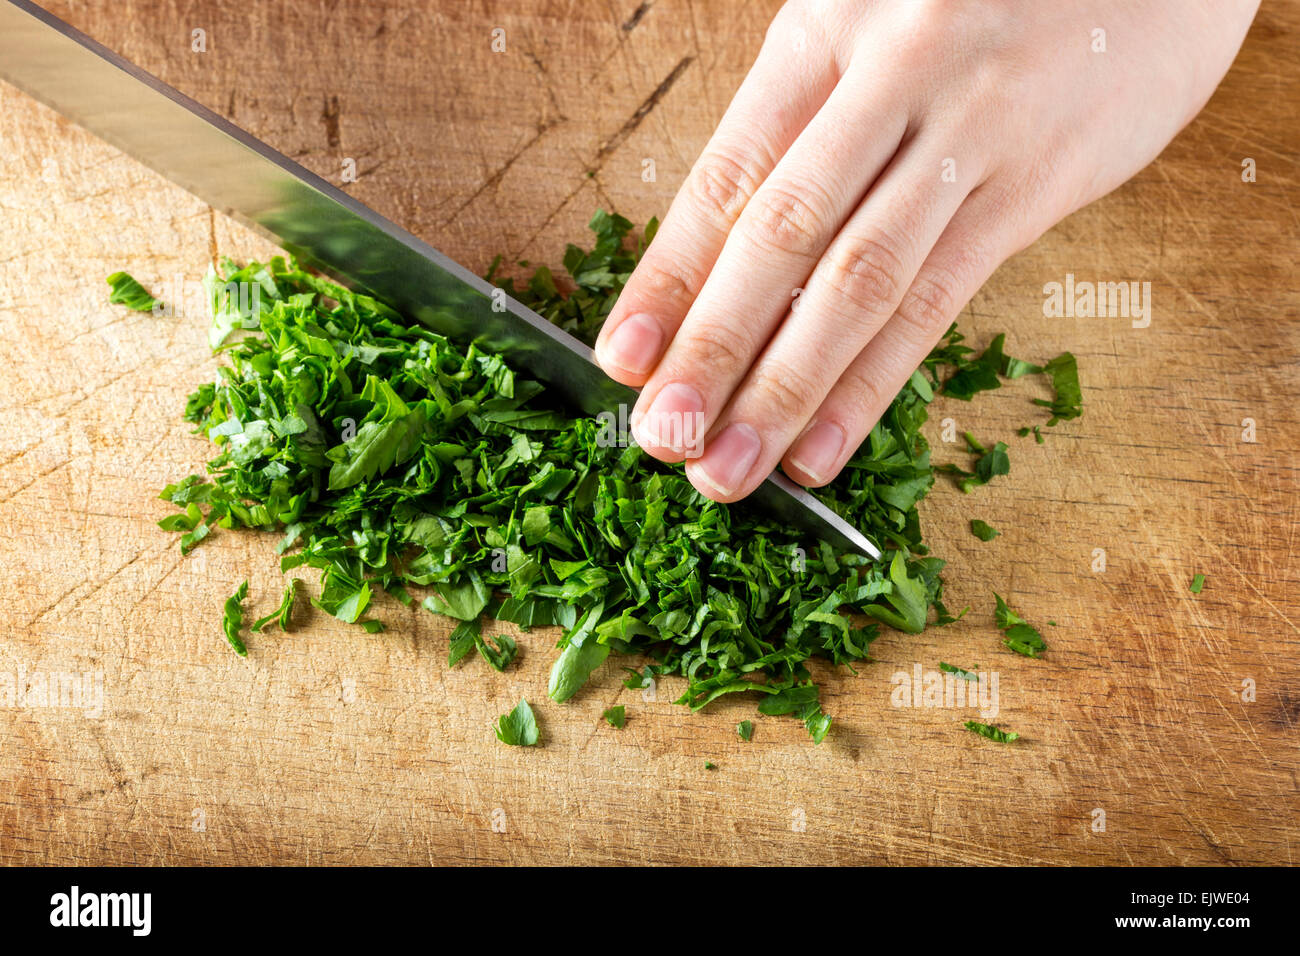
x: 866, y: 397
x: 930, y: 303
x: 672, y: 283
x: 721, y: 186
x: 868, y: 274
x: 712, y: 347
x: 786, y: 394
x: 781, y: 220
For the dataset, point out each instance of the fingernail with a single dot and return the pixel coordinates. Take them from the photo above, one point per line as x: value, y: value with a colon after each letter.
x: 635, y: 345
x: 729, y: 457
x: 671, y: 420
x: 818, y: 452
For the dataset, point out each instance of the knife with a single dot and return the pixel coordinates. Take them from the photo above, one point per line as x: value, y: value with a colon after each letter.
x: 324, y: 227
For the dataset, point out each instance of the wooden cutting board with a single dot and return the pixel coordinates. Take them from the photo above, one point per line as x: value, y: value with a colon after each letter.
x: 331, y: 746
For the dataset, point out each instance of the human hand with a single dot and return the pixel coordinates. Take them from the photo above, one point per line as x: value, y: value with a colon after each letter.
x: 879, y: 161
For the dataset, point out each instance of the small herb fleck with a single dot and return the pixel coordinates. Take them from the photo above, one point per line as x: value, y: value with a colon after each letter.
x: 130, y: 293
x: 959, y: 672
x: 991, y: 732
x: 1018, y: 635
x: 280, y: 614
x: 498, y: 657
x: 519, y: 727
x: 233, y: 619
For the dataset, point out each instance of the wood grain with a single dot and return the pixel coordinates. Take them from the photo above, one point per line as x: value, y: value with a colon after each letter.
x: 331, y: 746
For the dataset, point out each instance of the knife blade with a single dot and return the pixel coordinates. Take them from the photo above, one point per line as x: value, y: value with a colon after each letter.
x: 324, y: 227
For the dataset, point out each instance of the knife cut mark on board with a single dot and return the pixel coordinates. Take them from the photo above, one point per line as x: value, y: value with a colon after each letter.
x: 631, y: 23
x: 642, y: 111
x: 495, y: 179
x: 612, y: 143
x: 329, y: 115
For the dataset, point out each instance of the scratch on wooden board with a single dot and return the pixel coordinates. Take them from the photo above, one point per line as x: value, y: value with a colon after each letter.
x: 494, y: 180
x: 645, y: 109
x: 611, y: 144
x: 631, y: 22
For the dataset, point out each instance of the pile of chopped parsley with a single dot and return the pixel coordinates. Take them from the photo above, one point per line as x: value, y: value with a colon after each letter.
x: 393, y: 460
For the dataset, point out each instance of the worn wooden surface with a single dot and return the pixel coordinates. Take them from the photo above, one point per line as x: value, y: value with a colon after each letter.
x: 331, y: 746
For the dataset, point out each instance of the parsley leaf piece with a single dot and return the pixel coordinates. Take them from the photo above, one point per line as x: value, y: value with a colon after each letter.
x: 191, y: 538
x: 801, y: 700
x: 710, y: 765
x: 921, y: 385
x: 184, y: 521
x: 1068, y: 401
x: 1024, y: 639
x: 464, y: 601
x: 1018, y: 635
x: 745, y: 729
x: 1003, y: 615
x: 343, y: 596
x: 991, y: 732
x: 616, y: 716
x: 130, y: 293
x: 519, y: 727
x: 463, y: 640
x: 983, y: 531
x: 991, y: 463
x: 982, y: 374
x: 500, y: 657
x: 973, y: 377
x: 638, y: 680
x: 1198, y: 582
x: 908, y: 599
x: 282, y: 613
x: 574, y: 666
x: 233, y: 619
x: 968, y: 675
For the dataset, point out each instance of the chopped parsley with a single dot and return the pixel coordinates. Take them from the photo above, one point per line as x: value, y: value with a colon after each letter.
x: 281, y: 614
x: 991, y: 732
x: 498, y: 657
x: 969, y: 675
x: 638, y: 680
x: 1020, y: 636
x: 130, y: 293
x: 233, y: 619
x: 519, y: 727
x: 396, y: 462
x: 991, y: 463
x: 1068, y: 402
